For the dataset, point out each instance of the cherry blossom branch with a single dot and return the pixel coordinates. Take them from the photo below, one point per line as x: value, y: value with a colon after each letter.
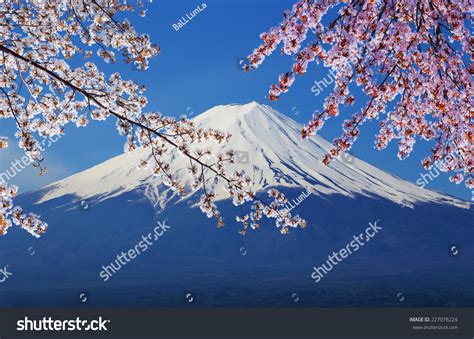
x: 426, y: 41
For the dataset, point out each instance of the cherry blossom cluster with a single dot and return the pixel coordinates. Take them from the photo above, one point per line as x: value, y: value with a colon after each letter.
x: 42, y: 92
x: 10, y: 214
x: 412, y: 60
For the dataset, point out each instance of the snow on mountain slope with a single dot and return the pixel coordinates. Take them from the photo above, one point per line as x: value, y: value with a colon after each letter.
x: 277, y: 156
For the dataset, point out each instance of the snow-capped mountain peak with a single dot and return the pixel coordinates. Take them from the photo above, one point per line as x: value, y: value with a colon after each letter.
x: 270, y: 150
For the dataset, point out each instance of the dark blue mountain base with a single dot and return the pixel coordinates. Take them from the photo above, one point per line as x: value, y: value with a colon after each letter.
x: 408, y: 263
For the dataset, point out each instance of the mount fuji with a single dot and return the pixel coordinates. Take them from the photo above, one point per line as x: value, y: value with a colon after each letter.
x: 424, y: 249
x: 277, y: 157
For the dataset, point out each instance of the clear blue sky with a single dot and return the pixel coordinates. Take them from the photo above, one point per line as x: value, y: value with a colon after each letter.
x: 196, y: 70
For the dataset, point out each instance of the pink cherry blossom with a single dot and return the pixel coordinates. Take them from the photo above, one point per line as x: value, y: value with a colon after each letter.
x: 412, y: 59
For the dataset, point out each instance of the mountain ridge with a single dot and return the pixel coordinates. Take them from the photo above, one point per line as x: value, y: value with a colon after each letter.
x: 277, y: 157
